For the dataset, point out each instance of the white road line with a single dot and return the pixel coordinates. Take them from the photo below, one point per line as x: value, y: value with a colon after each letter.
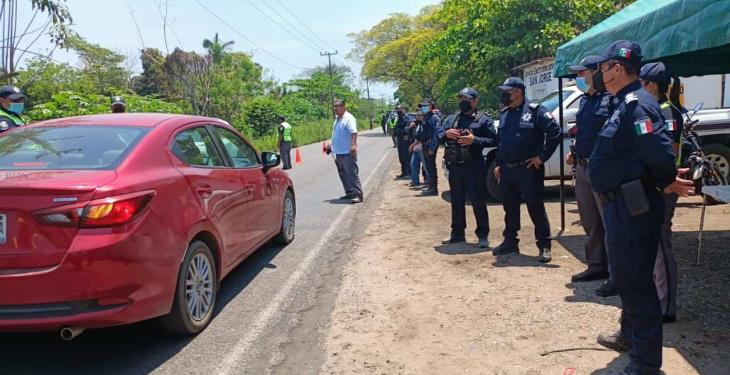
x: 232, y: 360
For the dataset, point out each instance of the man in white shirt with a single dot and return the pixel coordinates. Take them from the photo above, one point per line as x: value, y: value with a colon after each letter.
x: 344, y: 146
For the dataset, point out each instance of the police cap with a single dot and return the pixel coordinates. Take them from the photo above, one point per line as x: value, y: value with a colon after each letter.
x: 427, y: 102
x: 118, y: 100
x: 655, y: 72
x: 623, y: 50
x: 588, y: 62
x: 469, y: 92
x: 11, y: 92
x: 511, y: 83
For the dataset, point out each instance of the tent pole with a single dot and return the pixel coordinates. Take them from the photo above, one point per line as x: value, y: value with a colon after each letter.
x: 562, y: 155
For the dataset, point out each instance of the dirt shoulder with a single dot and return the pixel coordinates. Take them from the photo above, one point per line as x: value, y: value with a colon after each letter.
x: 410, y: 305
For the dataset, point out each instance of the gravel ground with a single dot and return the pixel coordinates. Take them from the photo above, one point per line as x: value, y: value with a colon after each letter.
x: 410, y: 305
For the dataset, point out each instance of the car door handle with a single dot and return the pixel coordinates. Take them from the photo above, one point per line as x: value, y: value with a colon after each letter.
x: 205, y: 191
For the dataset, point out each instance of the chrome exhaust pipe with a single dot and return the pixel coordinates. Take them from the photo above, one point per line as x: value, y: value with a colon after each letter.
x: 70, y: 333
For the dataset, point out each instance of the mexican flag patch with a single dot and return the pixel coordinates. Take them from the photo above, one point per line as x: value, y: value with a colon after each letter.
x: 671, y: 125
x: 644, y: 126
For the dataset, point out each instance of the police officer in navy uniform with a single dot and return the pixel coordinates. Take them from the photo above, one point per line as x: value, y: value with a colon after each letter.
x: 403, y: 142
x: 429, y: 140
x: 632, y: 163
x: 465, y: 134
x: 592, y: 115
x: 528, y: 135
x: 656, y: 80
x: 12, y: 105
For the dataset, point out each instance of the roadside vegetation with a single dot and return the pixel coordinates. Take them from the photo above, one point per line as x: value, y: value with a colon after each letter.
x: 477, y: 43
x: 216, y: 81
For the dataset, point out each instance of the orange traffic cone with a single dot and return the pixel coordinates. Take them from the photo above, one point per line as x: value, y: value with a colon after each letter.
x: 298, y: 158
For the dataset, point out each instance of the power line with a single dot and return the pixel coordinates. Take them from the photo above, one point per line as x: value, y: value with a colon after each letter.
x: 282, y: 27
x: 295, y: 28
x: 305, y: 25
x: 247, y: 38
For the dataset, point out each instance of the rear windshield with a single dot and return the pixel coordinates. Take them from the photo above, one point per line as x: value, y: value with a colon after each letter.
x: 67, y: 147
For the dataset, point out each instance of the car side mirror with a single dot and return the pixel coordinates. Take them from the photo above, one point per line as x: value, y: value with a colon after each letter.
x: 270, y: 160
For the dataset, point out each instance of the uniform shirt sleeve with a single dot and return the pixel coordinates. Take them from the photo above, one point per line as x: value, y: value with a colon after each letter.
x: 432, y: 132
x: 486, y: 136
x: 653, y: 148
x: 552, y: 131
x: 442, y: 128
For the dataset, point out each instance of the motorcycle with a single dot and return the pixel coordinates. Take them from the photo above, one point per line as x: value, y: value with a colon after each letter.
x: 703, y: 171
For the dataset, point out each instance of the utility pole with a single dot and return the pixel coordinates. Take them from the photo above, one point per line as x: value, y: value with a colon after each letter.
x: 332, y: 80
x: 370, y: 105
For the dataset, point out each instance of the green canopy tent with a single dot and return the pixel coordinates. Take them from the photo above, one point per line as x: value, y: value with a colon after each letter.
x: 692, y: 37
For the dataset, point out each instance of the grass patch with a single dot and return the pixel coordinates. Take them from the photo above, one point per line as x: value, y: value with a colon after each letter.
x: 302, y: 134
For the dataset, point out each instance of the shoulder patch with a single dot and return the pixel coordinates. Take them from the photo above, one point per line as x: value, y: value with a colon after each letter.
x: 631, y: 97
x: 548, y: 115
x: 4, y: 125
x: 534, y: 105
x: 644, y: 126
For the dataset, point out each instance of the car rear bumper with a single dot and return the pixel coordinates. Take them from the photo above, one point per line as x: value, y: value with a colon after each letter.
x: 107, y: 278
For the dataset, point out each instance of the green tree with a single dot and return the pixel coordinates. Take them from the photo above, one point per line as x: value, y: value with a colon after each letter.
x: 153, y: 80
x: 18, y: 40
x: 215, y: 48
x: 470, y: 43
x: 102, y: 65
x: 42, y: 78
x: 260, y: 115
x: 236, y: 79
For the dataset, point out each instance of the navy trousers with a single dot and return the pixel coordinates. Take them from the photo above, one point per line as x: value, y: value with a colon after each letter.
x: 469, y: 180
x: 632, y: 249
x: 524, y: 184
x: 404, y: 156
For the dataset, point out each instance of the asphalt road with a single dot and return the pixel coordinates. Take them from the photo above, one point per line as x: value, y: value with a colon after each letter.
x: 261, y: 306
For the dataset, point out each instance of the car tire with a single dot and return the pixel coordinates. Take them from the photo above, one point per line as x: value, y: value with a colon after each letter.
x: 192, y: 308
x: 492, y: 184
x: 720, y: 155
x: 287, y: 232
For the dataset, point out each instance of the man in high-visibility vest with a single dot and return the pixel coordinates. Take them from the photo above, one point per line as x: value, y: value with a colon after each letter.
x: 285, y: 142
x: 12, y: 104
x: 392, y: 122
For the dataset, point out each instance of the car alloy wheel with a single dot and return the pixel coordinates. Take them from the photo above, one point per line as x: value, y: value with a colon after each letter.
x: 199, y: 284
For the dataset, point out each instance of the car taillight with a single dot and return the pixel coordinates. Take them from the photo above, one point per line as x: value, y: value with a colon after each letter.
x: 109, y: 212
x: 99, y: 213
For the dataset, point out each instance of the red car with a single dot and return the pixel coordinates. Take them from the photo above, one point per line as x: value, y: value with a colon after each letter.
x: 113, y: 219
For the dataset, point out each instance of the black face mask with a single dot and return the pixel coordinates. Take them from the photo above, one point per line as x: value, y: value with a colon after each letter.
x: 506, y: 98
x: 465, y: 105
x: 598, y: 84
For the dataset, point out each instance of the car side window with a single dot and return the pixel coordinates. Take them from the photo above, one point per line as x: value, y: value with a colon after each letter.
x: 195, y: 147
x: 241, y: 154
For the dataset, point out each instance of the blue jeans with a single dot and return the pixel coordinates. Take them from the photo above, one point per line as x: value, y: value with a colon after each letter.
x: 415, y: 167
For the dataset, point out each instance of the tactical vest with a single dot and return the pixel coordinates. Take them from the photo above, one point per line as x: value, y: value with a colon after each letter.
x: 287, y: 131
x: 454, y: 153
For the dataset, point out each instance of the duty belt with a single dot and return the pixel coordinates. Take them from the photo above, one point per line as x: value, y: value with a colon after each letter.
x: 516, y: 164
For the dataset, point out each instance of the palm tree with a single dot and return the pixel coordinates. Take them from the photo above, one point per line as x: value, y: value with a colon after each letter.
x: 215, y: 48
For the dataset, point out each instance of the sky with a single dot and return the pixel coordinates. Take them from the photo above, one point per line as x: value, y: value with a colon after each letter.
x: 110, y: 24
